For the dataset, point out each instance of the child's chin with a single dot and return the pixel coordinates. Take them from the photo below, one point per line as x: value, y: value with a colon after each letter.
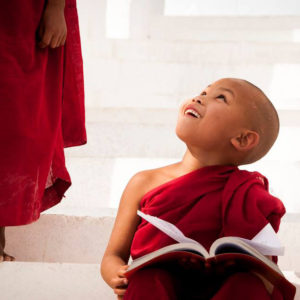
x: 183, y: 134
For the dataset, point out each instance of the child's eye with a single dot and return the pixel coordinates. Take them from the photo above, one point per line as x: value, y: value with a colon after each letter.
x: 222, y: 97
x: 203, y: 94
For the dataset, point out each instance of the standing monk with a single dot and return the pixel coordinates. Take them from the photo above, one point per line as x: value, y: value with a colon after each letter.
x: 41, y: 106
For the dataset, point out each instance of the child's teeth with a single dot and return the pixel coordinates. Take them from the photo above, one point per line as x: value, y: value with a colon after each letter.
x: 193, y: 112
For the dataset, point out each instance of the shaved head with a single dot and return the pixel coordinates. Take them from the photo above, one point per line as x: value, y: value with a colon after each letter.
x: 263, y: 119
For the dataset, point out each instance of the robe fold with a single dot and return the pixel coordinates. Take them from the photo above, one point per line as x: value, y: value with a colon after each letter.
x: 41, y: 111
x: 207, y: 204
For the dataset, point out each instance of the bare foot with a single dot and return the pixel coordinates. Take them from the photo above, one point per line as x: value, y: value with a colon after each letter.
x: 4, y: 256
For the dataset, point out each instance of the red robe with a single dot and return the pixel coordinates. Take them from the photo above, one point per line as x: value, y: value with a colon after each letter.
x: 207, y: 204
x: 41, y: 111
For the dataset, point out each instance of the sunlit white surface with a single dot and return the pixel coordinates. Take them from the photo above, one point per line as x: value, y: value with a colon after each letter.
x: 232, y: 7
x: 117, y: 19
x: 296, y: 35
x: 282, y: 168
x: 287, y: 146
x: 162, y: 66
x: 125, y: 168
x: 283, y: 181
x: 284, y: 86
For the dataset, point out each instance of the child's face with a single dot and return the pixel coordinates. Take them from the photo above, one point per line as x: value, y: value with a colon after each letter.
x: 210, y: 120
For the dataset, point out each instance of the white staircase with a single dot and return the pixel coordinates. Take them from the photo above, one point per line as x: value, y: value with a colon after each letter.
x: 133, y: 89
x: 59, y: 258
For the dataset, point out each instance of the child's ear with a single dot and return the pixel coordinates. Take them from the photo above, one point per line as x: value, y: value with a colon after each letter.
x: 246, y: 141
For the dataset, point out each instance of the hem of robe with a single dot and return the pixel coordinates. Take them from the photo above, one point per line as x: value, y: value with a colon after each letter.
x: 51, y: 197
x: 75, y: 144
x: 55, y: 193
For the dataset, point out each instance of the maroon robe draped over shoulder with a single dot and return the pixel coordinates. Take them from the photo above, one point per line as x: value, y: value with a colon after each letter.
x: 207, y: 204
x: 41, y: 111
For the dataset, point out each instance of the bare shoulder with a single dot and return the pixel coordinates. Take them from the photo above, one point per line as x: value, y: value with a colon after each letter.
x: 127, y: 219
x: 147, y: 180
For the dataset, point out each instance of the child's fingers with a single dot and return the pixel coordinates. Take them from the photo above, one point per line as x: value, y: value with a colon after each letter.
x: 125, y: 267
x: 119, y: 282
x: 122, y: 271
x: 120, y: 291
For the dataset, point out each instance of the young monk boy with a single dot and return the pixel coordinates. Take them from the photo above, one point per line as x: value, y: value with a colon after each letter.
x: 205, y: 195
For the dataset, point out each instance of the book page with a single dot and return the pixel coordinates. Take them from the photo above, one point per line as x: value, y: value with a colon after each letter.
x: 267, y: 242
x: 168, y: 228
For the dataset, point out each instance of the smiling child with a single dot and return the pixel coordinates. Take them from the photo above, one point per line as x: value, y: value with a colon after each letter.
x: 231, y: 123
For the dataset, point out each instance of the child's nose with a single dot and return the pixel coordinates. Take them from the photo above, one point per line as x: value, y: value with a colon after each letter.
x: 197, y: 99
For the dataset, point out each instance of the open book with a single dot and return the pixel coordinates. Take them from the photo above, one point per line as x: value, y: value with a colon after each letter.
x: 248, y: 255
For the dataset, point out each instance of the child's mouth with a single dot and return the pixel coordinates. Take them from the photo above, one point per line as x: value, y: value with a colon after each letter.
x: 192, y: 112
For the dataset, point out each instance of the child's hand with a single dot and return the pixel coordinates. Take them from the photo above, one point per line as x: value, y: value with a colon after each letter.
x: 52, y: 31
x: 119, y: 283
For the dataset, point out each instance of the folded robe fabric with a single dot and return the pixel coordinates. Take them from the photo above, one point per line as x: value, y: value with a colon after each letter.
x: 164, y: 284
x: 205, y: 205
x: 41, y: 111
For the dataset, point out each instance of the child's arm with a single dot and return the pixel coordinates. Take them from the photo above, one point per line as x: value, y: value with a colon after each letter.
x: 114, y: 262
x: 52, y: 30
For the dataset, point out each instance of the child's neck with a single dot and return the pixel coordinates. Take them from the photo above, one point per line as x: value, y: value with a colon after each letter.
x: 191, y: 162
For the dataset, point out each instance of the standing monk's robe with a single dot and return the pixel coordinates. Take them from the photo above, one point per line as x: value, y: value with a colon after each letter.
x: 41, y: 111
x: 205, y: 205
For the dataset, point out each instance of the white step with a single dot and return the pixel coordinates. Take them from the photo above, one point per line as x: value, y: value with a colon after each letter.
x: 48, y: 281
x: 69, y: 239
x: 113, y: 139
x: 139, y: 115
x: 237, y: 7
x: 148, y: 21
x: 117, y: 72
x: 166, y: 71
x: 114, y: 83
x: 52, y: 281
x: 129, y: 140
x: 58, y: 238
x: 193, y: 52
x: 92, y: 15
x: 99, y: 182
x: 227, y: 28
x: 110, y: 140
